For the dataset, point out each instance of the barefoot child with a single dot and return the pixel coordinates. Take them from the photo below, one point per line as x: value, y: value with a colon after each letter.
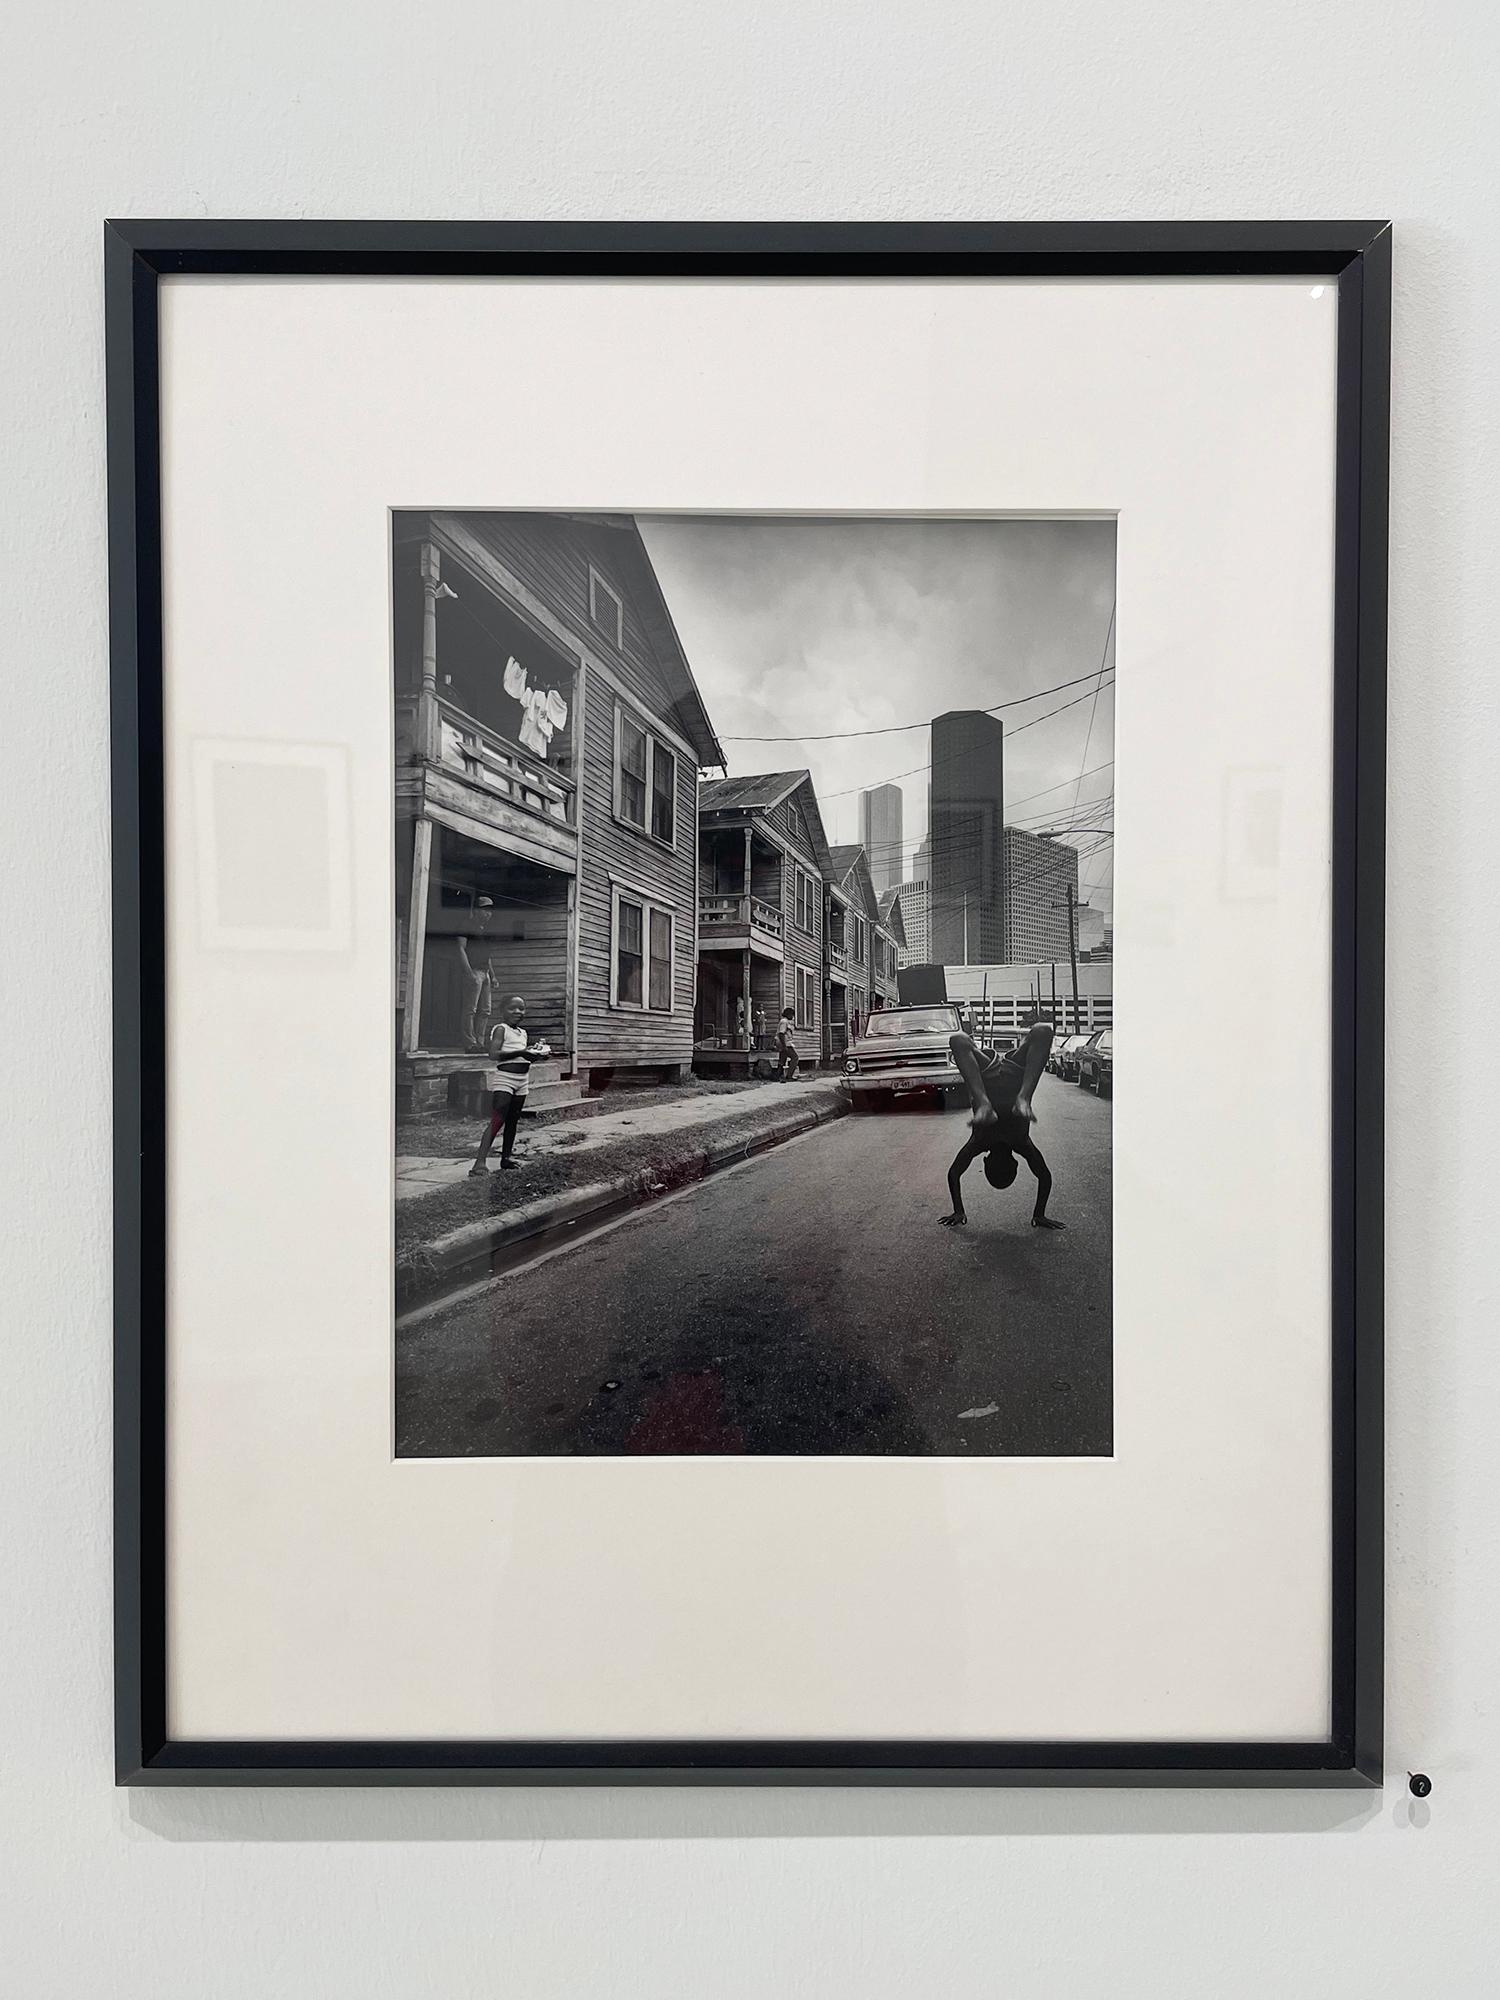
x: 513, y: 1056
x: 1000, y: 1090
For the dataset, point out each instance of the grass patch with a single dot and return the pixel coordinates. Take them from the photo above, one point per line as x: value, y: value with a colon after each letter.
x: 445, y: 1135
x: 661, y: 1161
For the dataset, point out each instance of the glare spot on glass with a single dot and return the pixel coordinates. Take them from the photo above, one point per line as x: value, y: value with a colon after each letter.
x: 1317, y: 291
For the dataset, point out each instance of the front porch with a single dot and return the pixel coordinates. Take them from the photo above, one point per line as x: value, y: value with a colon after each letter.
x: 495, y: 925
x: 738, y: 1004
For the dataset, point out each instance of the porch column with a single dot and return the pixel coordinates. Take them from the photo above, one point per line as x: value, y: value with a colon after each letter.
x: 747, y: 880
x: 745, y: 961
x: 429, y: 736
x: 416, y: 935
x: 570, y: 977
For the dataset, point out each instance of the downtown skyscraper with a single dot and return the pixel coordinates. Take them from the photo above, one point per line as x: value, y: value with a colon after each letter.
x: 880, y: 835
x: 968, y: 839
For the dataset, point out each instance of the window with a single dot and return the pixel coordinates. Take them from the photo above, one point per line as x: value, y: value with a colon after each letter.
x: 605, y: 610
x: 859, y: 939
x: 628, y: 954
x: 643, y: 955
x: 660, y: 987
x: 663, y: 792
x: 633, y: 762
x: 806, y: 1010
x: 806, y: 908
x: 645, y: 780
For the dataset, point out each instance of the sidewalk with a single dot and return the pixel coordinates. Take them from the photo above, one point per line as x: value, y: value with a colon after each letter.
x: 573, y: 1176
x: 416, y: 1175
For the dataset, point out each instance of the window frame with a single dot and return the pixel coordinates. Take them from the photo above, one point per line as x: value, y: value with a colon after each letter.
x: 802, y: 877
x: 615, y: 632
x: 804, y: 981
x: 649, y: 906
x: 655, y: 740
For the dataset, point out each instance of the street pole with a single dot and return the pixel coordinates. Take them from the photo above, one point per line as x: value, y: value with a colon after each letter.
x: 1073, y: 957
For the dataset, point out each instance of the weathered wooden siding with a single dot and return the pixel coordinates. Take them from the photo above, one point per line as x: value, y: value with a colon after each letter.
x: 552, y: 559
x: 616, y: 1037
x: 527, y: 951
x: 803, y: 947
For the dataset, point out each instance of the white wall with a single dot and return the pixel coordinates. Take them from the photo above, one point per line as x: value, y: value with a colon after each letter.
x: 1099, y: 108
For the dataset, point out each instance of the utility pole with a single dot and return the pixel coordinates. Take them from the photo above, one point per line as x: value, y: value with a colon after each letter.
x: 1071, y: 906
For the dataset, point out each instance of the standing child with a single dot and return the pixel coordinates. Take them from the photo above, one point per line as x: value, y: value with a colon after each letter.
x: 514, y: 1056
x: 787, y: 1059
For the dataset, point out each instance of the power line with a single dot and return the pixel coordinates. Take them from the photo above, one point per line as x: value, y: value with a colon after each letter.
x: 1027, y: 797
x: 901, y: 728
x: 1095, y: 709
x: 1031, y: 723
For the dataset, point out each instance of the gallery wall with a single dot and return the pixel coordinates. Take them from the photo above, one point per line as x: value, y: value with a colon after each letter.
x: 672, y: 108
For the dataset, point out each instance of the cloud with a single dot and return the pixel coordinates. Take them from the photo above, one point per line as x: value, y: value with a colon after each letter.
x: 837, y: 625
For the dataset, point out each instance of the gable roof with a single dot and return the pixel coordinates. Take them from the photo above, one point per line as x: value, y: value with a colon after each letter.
x: 849, y: 870
x: 767, y: 789
x: 891, y: 916
x: 656, y: 616
x: 760, y: 793
x: 615, y: 541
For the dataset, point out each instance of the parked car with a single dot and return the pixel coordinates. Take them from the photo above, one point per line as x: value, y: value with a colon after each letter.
x: 1066, y: 1050
x: 1096, y: 1063
x: 901, y: 1050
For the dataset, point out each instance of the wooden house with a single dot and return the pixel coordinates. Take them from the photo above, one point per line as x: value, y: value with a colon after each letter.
x: 762, y: 861
x: 890, y: 944
x: 853, y: 914
x: 549, y: 739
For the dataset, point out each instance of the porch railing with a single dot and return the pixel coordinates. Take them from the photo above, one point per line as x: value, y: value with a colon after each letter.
x: 495, y: 765
x: 839, y: 957
x: 738, y: 913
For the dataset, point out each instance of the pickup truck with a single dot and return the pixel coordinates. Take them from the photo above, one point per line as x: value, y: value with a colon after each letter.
x: 901, y: 1050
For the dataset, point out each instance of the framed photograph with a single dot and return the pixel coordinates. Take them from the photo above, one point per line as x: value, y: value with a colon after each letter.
x: 657, y: 768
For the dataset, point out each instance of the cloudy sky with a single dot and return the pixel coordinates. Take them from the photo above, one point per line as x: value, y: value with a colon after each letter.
x: 803, y: 628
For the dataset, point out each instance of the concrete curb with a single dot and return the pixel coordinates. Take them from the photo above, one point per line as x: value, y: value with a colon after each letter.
x: 487, y: 1249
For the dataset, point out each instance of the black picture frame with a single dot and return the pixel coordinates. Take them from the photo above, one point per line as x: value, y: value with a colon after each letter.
x: 1356, y: 256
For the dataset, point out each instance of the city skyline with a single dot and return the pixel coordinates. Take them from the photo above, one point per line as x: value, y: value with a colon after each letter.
x: 858, y: 625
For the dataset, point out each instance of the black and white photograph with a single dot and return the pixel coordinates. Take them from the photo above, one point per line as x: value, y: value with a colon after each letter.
x: 753, y: 991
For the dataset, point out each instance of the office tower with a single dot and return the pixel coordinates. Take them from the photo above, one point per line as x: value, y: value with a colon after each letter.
x: 1039, y: 875
x: 880, y: 835
x: 914, y: 921
x: 967, y: 839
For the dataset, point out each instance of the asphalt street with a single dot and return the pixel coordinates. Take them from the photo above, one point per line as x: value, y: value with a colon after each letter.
x: 806, y: 1302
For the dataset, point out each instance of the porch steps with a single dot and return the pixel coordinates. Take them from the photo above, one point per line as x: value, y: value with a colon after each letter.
x: 469, y: 1089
